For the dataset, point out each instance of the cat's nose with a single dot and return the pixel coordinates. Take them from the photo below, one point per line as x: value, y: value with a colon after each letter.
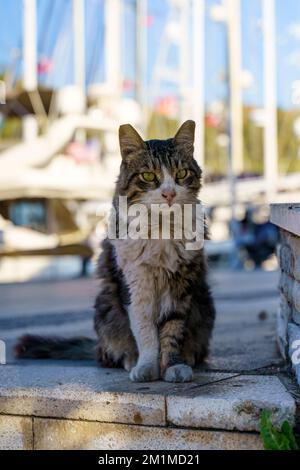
x: 169, y: 195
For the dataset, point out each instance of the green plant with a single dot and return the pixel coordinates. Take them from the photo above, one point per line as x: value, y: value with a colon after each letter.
x: 274, y: 439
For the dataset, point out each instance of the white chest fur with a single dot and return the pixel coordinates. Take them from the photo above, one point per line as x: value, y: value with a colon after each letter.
x: 165, y: 255
x: 147, y: 266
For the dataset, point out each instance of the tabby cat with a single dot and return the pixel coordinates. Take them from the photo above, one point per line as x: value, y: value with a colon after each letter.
x: 154, y: 313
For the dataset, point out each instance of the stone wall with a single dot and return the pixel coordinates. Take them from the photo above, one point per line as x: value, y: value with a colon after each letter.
x: 287, y: 218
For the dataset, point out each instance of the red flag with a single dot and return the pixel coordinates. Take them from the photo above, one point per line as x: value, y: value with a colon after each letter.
x: 167, y: 106
x: 148, y: 21
x: 128, y: 84
x: 45, y: 66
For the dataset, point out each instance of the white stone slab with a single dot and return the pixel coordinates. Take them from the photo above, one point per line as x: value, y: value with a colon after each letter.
x: 234, y: 404
x: 89, y: 393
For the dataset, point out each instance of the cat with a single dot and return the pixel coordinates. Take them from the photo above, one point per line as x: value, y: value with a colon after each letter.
x: 154, y: 312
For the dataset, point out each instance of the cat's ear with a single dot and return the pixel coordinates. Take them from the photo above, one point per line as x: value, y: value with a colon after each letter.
x: 185, y: 137
x: 131, y: 143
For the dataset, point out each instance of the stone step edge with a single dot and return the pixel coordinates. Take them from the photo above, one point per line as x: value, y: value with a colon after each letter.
x: 195, y: 412
x: 34, y: 433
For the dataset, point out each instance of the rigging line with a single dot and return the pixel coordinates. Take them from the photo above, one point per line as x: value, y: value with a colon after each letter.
x: 44, y: 27
x: 91, y: 39
x: 55, y: 54
x: 99, y: 50
x: 61, y: 13
x: 59, y: 45
x: 17, y: 58
x: 98, y: 59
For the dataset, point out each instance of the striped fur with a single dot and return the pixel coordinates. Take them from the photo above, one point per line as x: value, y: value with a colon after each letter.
x: 154, y: 313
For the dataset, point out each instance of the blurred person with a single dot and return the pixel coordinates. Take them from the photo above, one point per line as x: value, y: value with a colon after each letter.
x: 253, y: 241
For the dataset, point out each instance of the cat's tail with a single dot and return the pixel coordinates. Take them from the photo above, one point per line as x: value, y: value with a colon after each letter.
x: 43, y: 347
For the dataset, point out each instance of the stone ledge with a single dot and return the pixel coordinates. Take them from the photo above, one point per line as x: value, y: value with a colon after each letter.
x: 234, y: 404
x: 212, y: 401
x: 286, y: 216
x: 83, y: 393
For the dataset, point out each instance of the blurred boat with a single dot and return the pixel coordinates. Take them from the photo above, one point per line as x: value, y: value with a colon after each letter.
x: 49, y: 183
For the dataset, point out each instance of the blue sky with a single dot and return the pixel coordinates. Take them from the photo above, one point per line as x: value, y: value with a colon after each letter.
x: 55, y: 22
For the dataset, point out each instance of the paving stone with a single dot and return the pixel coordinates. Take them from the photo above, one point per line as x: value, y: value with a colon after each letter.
x: 241, y: 341
x: 15, y: 433
x: 233, y: 404
x: 294, y: 348
x: 73, y: 435
x: 88, y: 393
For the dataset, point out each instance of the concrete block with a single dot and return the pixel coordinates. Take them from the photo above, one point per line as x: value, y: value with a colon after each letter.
x: 73, y: 435
x: 234, y: 404
x: 15, y: 433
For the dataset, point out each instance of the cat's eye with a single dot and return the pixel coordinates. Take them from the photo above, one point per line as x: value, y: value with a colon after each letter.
x: 181, y: 174
x: 148, y: 176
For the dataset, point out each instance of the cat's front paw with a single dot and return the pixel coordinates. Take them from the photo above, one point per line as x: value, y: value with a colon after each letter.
x: 129, y: 362
x: 179, y: 373
x: 145, y: 372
